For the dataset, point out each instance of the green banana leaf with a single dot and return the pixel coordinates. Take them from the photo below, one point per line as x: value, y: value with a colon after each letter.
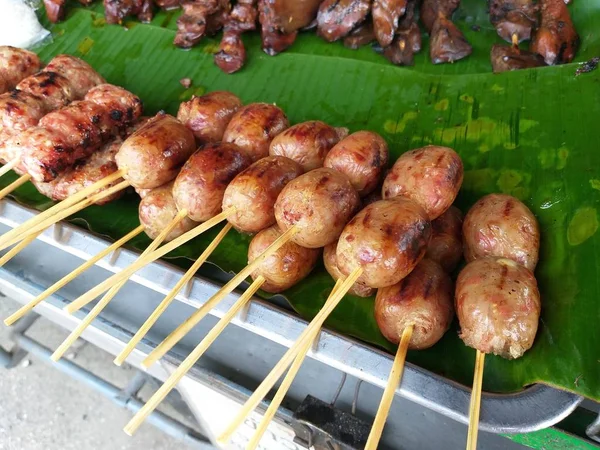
x: 534, y: 134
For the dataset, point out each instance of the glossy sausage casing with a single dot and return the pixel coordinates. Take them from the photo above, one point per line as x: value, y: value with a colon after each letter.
x: 362, y: 157
x: 498, y: 306
x: 284, y: 268
x: 424, y: 299
x: 386, y: 240
x: 153, y: 155
x: 15, y: 65
x: 208, y: 116
x: 254, y: 191
x: 319, y: 204
x: 330, y: 261
x: 430, y: 176
x: 254, y: 126
x: 201, y: 184
x: 502, y: 226
x: 445, y: 246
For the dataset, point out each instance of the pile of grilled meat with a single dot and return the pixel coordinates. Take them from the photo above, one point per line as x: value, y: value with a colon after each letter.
x: 390, y: 25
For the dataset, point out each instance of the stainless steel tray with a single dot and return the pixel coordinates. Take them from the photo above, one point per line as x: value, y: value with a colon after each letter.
x: 534, y: 408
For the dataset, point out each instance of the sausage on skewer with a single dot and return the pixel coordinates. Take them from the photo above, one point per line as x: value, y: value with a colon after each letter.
x: 15, y: 65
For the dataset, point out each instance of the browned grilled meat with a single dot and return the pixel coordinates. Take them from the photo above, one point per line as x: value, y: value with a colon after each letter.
x: 52, y: 89
x: 407, y: 41
x: 514, y: 20
x: 15, y: 65
x: 122, y: 106
x: 55, y: 10
x: 505, y: 58
x: 18, y: 111
x: 82, y: 77
x: 386, y: 14
x: 167, y: 4
x: 432, y: 9
x: 116, y: 10
x: 195, y: 22
x: 360, y: 36
x: 447, y: 44
x: 337, y: 18
x: 232, y: 53
x: 291, y: 15
x: 274, y: 40
x: 556, y: 39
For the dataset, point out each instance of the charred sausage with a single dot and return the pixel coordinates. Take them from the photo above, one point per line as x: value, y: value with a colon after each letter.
x: 423, y: 299
x: 53, y: 89
x: 330, y: 261
x: 498, y: 306
x: 82, y: 77
x: 15, y: 65
x: 502, y: 226
x: 254, y: 191
x: 122, y: 107
x: 362, y: 157
x: 201, y: 184
x: 319, y: 204
x: 387, y: 239
x: 284, y: 268
x: 430, y: 176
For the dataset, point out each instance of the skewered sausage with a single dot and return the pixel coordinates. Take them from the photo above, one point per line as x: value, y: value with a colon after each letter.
x: 15, y: 65
x: 153, y: 155
x: 254, y: 191
x: 158, y: 209
x: 284, y: 268
x: 556, y: 39
x: 330, y: 261
x: 498, y: 306
x: 122, y: 106
x: 254, y: 126
x: 337, y: 18
x: 430, y: 176
x: 208, y: 116
x: 307, y: 143
x: 82, y: 77
x: 201, y: 184
x: 18, y: 112
x: 319, y: 204
x: 445, y: 247
x: 500, y: 225
x: 53, y: 89
x: 362, y: 157
x: 386, y: 240
x: 424, y: 299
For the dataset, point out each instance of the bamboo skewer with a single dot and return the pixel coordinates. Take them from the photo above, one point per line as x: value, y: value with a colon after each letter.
x: 71, y: 276
x: 74, y: 199
x: 201, y: 312
x: 76, y: 333
x: 475, y: 404
x: 334, y: 299
x: 187, y: 364
x: 160, y: 309
x: 14, y: 185
x: 17, y: 248
x: 141, y: 262
x: 9, y: 166
x: 390, y: 389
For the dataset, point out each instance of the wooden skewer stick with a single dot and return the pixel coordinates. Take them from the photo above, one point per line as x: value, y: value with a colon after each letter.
x: 141, y: 262
x: 17, y: 248
x: 160, y: 309
x: 77, y: 332
x: 475, y: 405
x: 334, y: 299
x: 72, y: 200
x: 515, y: 40
x: 390, y: 389
x: 41, y: 226
x: 14, y: 185
x: 9, y: 166
x: 70, y: 277
x: 188, y: 362
x: 176, y: 335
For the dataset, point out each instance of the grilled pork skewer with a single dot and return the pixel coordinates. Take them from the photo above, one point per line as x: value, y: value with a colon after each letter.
x: 15, y: 65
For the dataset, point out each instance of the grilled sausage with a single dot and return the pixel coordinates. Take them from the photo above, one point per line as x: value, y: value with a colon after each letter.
x: 153, y: 155
x: 54, y: 90
x: 307, y: 143
x: 445, y: 247
x: 430, y: 176
x: 254, y: 126
x: 158, y: 209
x: 201, y: 184
x: 40, y: 150
x: 330, y: 261
x: 18, y: 111
x: 319, y: 204
x: 123, y: 107
x: 254, y: 191
x: 498, y: 306
x: 502, y: 226
x: 424, y: 299
x: 208, y: 116
x: 362, y: 157
x: 82, y: 77
x: 15, y: 65
x: 284, y: 268
x: 387, y: 239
